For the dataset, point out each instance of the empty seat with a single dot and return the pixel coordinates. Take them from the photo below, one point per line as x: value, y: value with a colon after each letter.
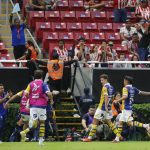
x: 105, y: 26
x: 35, y: 16
x: 2, y: 46
x: 113, y: 37
x: 83, y: 16
x: 56, y: 26
x: 108, y: 4
x: 67, y: 37
x: 40, y: 28
x: 68, y: 16
x: 76, y: 5
x: 110, y: 16
x: 117, y: 26
x: 63, y: 5
x: 49, y: 37
x: 86, y: 35
x: 52, y: 16
x: 99, y: 16
x: 90, y: 27
x: 97, y: 37
x: 121, y: 48
x: 74, y: 27
x: 131, y: 15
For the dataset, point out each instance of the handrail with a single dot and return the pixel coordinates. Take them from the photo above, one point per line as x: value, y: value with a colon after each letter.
x: 28, y: 31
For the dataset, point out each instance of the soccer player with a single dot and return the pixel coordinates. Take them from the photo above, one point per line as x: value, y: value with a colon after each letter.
x: 37, y: 91
x: 129, y: 92
x: 103, y: 112
x: 24, y: 109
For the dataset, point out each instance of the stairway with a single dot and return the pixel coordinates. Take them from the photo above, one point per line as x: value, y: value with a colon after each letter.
x: 64, y: 117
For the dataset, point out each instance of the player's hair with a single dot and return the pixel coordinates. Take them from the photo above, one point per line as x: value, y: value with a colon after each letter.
x: 38, y: 74
x: 1, y: 84
x: 117, y: 94
x: 104, y: 76
x: 129, y: 79
x: 92, y: 106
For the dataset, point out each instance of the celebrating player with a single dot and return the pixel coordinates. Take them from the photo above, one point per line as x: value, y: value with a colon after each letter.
x: 24, y: 109
x: 37, y: 91
x: 129, y: 92
x: 103, y: 111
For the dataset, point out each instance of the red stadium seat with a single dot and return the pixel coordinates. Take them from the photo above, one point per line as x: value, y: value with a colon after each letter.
x: 83, y: 16
x: 99, y: 16
x: 121, y: 48
x: 67, y: 37
x: 52, y: 16
x: 63, y: 5
x: 117, y: 26
x: 40, y: 28
x: 76, y: 5
x: 68, y: 16
x: 74, y: 27
x: 35, y: 16
x: 108, y: 4
x: 56, y: 26
x: 86, y: 35
x: 113, y: 37
x: 97, y: 37
x: 49, y: 37
x: 90, y: 27
x: 131, y: 15
x: 105, y: 26
x: 110, y: 16
x: 2, y: 46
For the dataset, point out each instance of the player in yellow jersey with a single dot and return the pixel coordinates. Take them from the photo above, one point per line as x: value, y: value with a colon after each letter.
x: 103, y: 112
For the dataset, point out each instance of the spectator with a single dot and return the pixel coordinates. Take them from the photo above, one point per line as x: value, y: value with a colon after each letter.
x: 133, y: 44
x: 135, y: 58
x: 18, y: 37
x: 86, y: 101
x: 81, y: 49
x: 61, y: 50
x: 122, y: 57
x: 3, y: 112
x: 127, y: 32
x: 94, y: 53
x: 143, y: 11
x: 143, y: 44
x: 120, y: 11
x: 87, y: 118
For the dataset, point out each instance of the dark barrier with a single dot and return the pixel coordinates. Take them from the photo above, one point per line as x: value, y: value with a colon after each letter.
x: 141, y: 81
x: 14, y: 79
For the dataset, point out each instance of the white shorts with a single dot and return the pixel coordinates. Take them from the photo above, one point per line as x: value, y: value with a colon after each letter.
x: 25, y: 118
x: 103, y: 115
x: 38, y: 113
x: 126, y: 116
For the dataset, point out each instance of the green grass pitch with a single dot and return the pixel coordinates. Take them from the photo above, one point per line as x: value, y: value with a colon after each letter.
x: 77, y: 146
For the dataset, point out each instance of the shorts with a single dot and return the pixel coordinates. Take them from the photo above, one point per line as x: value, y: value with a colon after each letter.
x: 103, y: 115
x: 38, y: 113
x: 25, y: 117
x: 126, y: 116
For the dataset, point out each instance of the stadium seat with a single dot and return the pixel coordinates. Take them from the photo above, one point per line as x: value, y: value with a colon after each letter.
x: 90, y: 27
x: 76, y: 5
x: 113, y: 37
x: 117, y: 26
x: 99, y: 16
x: 83, y: 16
x: 74, y: 27
x: 67, y: 37
x: 49, y: 37
x: 40, y: 28
x: 59, y: 26
x: 52, y: 16
x: 110, y: 16
x: 35, y: 16
x: 121, y: 48
x: 2, y: 46
x: 131, y: 15
x: 68, y: 16
x: 105, y: 27
x: 63, y: 5
x: 97, y: 37
x: 86, y: 35
x: 108, y: 4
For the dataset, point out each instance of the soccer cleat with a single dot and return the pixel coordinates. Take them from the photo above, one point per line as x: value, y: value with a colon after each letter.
x: 148, y: 129
x: 86, y: 140
x: 23, y: 136
x: 1, y: 142
x: 115, y: 141
x: 41, y: 140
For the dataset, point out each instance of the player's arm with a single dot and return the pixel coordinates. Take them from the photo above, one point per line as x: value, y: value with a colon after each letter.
x: 84, y: 124
x: 106, y: 98
x: 124, y: 96
x: 10, y: 20
x: 27, y: 91
x: 144, y: 93
x: 3, y: 99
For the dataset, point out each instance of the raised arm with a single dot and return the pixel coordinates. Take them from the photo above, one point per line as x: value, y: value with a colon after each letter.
x: 11, y: 19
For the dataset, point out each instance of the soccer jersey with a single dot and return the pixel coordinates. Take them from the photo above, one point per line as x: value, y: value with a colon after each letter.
x: 3, y: 111
x: 37, y: 90
x: 107, y: 90
x: 130, y: 92
x: 23, y: 103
